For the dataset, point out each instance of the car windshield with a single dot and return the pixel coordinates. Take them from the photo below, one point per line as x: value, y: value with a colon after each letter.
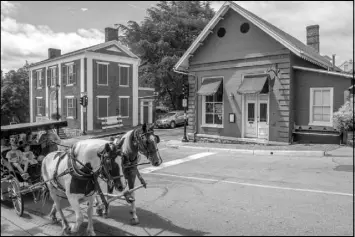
x: 168, y: 115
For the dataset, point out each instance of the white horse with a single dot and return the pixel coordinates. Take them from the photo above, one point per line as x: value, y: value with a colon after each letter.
x: 141, y: 140
x: 95, y: 157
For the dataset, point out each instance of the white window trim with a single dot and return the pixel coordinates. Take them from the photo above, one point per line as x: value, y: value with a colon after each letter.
x: 53, y: 75
x: 39, y: 78
x: 315, y: 123
x: 126, y: 66
x: 203, y: 124
x: 124, y: 97
x: 72, y: 98
x: 68, y: 65
x: 97, y: 103
x: 102, y: 63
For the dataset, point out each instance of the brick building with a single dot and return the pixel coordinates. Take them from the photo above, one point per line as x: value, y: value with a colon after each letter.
x: 107, y: 73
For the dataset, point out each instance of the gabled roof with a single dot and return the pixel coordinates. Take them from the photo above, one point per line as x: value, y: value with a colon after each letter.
x: 90, y: 49
x: 291, y: 43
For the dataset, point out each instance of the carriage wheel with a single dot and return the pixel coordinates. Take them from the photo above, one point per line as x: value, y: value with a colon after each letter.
x: 16, y: 197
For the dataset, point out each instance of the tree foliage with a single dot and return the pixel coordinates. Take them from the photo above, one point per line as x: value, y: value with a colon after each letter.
x: 343, y: 119
x: 15, y: 96
x: 161, y: 39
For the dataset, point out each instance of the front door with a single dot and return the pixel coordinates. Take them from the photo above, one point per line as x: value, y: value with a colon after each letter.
x: 256, y: 116
x: 145, y: 112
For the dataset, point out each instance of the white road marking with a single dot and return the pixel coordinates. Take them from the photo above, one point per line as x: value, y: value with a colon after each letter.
x: 163, y: 149
x: 257, y: 185
x: 176, y: 162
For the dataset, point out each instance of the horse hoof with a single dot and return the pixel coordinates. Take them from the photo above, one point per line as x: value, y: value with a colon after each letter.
x: 134, y: 221
x: 54, y: 219
x: 66, y: 231
x: 90, y: 233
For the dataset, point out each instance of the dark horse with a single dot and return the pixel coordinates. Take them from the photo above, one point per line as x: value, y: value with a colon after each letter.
x: 141, y: 140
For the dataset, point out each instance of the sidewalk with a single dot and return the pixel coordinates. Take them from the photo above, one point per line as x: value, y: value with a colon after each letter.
x: 309, y: 150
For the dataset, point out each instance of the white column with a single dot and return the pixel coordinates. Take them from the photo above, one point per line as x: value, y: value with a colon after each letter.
x: 135, y: 94
x: 150, y: 110
x: 45, y: 82
x: 90, y: 107
x: 82, y: 89
x: 31, y: 95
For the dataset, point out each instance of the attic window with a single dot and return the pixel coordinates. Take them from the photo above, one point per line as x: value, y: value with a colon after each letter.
x: 244, y: 28
x: 221, y: 32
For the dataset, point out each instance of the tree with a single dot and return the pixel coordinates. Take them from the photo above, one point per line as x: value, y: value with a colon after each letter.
x: 161, y: 39
x: 15, y: 96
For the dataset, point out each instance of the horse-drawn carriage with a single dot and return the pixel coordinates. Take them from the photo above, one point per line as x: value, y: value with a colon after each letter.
x: 14, y: 137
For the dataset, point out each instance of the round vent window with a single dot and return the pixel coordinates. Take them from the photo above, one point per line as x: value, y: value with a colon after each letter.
x: 244, y: 28
x: 221, y: 32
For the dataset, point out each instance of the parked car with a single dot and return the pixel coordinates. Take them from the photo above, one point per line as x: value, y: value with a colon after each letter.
x: 171, y: 119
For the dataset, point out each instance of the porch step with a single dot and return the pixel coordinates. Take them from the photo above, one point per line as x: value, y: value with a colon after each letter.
x: 62, y: 134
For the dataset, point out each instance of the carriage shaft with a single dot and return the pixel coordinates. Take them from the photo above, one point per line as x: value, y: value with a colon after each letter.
x: 115, y: 197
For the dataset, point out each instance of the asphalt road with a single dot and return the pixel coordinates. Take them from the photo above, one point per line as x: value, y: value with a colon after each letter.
x: 221, y: 193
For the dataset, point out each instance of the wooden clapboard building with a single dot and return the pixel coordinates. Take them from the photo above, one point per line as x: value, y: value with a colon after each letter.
x: 107, y: 73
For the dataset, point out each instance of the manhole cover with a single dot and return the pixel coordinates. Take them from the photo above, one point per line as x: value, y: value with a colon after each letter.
x: 346, y: 168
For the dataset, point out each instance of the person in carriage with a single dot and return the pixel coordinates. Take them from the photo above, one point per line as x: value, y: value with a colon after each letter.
x: 16, y: 159
x: 48, y: 142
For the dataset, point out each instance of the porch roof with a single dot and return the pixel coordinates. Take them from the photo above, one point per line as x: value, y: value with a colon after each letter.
x: 253, y: 84
x: 209, y: 86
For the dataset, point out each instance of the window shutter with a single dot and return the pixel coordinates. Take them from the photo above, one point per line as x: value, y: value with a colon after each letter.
x: 75, y: 108
x: 57, y: 75
x: 43, y: 111
x: 43, y: 77
x: 130, y: 78
x: 64, y: 78
x: 64, y: 108
x: 34, y: 79
x: 48, y: 77
x: 36, y: 104
x: 95, y: 78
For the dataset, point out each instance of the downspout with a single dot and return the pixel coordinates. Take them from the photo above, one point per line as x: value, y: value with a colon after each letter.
x: 196, y: 99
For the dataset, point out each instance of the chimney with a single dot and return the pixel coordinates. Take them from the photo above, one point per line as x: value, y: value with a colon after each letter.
x: 313, y: 36
x: 333, y: 61
x: 53, y: 53
x: 111, y: 34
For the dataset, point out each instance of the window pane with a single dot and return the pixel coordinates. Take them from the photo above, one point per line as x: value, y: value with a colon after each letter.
x: 209, y: 118
x: 251, y: 111
x: 317, y: 110
x: 218, y: 108
x: 124, y: 107
x: 263, y: 112
x: 326, y: 97
x: 209, y: 107
x: 326, y: 110
x: 218, y: 119
x: 317, y: 117
x: 70, y: 103
x: 326, y: 118
x: 209, y: 98
x: 102, y: 107
x: 102, y: 74
x: 317, y: 97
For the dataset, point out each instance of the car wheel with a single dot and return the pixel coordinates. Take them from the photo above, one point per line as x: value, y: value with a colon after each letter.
x: 172, y: 124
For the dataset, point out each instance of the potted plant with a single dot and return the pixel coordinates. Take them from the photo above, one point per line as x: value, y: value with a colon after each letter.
x: 343, y: 121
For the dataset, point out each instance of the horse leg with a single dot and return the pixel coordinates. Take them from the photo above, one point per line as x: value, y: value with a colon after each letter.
x: 133, y: 211
x: 53, y: 213
x: 90, y: 230
x: 74, y: 203
x: 57, y: 206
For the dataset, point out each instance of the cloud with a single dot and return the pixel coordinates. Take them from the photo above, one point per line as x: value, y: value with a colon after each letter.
x: 334, y: 18
x: 84, y: 9
x: 8, y: 8
x: 21, y: 41
x: 134, y: 6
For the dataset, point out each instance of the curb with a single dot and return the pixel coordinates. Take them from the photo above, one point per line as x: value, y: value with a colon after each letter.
x: 258, y: 152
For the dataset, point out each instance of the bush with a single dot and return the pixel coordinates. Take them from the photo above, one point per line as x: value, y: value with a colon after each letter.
x: 343, y: 119
x: 55, y: 116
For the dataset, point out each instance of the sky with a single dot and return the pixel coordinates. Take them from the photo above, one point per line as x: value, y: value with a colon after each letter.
x: 29, y: 28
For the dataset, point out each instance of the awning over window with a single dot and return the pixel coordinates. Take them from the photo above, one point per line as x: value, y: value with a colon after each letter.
x: 209, y: 86
x: 254, y: 84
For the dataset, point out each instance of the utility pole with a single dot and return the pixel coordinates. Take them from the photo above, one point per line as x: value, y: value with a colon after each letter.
x: 184, y: 104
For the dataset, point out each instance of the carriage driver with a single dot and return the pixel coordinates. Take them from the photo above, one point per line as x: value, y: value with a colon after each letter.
x: 16, y: 158
x: 48, y: 141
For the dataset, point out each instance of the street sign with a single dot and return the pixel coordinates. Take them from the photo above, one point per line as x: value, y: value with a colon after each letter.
x: 184, y: 103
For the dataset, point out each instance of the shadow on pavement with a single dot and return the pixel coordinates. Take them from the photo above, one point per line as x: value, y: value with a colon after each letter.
x: 149, y: 219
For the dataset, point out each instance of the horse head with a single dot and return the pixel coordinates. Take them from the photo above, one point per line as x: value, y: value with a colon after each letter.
x: 112, y: 166
x: 147, y: 143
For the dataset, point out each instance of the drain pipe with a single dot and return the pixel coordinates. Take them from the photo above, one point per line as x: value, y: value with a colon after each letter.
x: 196, y: 99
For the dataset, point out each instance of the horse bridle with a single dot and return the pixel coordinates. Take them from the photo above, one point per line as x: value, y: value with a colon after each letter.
x: 106, y: 166
x: 145, y: 144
